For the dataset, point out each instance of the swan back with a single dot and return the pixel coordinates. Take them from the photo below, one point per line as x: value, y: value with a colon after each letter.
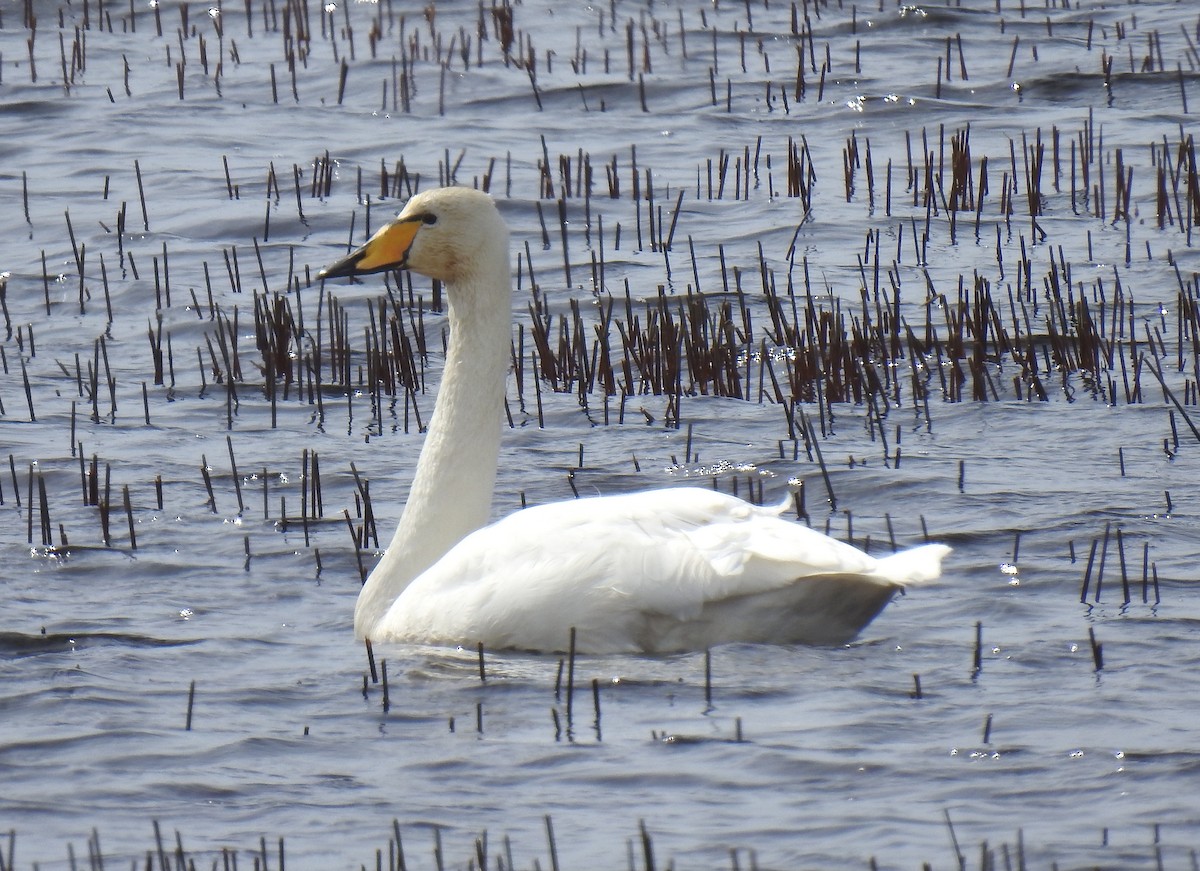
x: 652, y: 571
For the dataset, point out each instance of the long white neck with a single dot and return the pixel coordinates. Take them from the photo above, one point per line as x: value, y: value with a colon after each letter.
x: 451, y: 493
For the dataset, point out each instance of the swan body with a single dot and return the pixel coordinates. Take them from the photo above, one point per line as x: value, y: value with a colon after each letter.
x: 653, y: 571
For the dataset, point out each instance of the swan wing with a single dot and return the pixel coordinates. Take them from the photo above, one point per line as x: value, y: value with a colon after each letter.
x: 626, y: 571
x: 696, y: 546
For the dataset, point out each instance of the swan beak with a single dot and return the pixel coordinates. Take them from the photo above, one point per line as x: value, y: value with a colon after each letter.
x: 387, y: 249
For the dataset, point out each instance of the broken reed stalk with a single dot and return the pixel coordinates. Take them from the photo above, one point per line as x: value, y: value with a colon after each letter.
x: 237, y: 481
x: 962, y: 860
x: 357, y: 539
x: 1097, y: 649
x: 551, y: 843
x: 596, y: 707
x: 129, y: 517
x: 1087, y: 574
x: 647, y: 846
x: 977, y: 665
x: 570, y: 678
x: 204, y: 472
x: 371, y: 660
x: 708, y: 706
x: 191, y: 700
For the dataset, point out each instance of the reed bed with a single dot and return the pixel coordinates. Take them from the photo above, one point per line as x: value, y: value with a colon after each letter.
x: 896, y: 335
x: 484, y: 851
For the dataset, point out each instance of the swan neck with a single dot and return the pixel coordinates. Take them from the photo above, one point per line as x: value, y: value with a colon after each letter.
x: 451, y: 492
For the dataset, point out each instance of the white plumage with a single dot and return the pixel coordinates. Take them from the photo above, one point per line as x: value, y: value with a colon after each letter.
x: 654, y: 571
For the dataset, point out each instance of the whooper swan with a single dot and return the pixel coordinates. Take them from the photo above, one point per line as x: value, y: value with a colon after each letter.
x: 653, y: 571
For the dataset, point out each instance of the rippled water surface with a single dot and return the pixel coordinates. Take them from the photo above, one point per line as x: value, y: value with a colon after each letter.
x: 998, y: 199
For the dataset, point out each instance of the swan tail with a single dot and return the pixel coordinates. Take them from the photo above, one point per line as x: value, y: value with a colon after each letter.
x: 914, y: 566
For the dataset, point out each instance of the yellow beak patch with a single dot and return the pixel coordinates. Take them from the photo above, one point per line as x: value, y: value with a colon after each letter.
x: 387, y: 249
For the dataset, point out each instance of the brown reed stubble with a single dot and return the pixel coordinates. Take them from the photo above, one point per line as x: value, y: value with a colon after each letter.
x: 1023, y: 335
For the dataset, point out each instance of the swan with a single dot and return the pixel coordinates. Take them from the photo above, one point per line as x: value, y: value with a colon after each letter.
x: 656, y: 571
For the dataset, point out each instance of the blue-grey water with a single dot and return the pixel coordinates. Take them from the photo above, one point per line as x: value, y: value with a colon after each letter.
x: 163, y: 171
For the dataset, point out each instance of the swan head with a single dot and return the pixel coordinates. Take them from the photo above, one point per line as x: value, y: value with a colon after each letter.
x: 454, y: 235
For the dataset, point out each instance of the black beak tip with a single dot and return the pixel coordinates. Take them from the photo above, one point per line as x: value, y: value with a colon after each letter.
x: 344, y: 268
x: 348, y: 267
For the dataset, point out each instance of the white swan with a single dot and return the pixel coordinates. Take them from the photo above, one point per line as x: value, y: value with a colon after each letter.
x: 655, y: 571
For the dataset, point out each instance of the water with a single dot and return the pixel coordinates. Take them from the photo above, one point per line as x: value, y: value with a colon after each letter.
x: 838, y: 762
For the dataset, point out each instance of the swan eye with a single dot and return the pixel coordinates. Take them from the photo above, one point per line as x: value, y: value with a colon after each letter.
x: 428, y: 218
